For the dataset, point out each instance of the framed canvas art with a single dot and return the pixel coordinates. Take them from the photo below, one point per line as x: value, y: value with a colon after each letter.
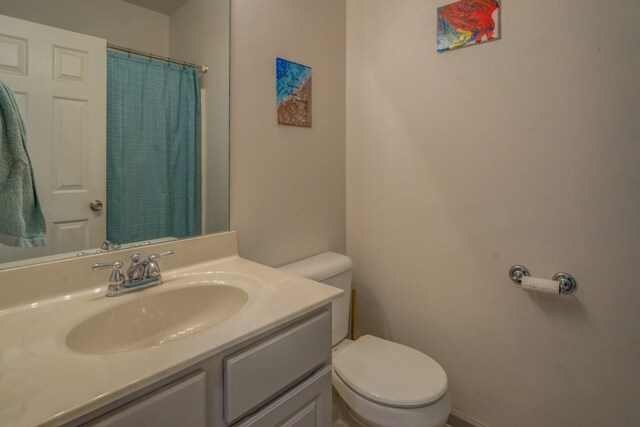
x: 293, y: 92
x: 467, y: 22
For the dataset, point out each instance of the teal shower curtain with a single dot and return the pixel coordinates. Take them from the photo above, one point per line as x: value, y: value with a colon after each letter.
x: 153, y: 150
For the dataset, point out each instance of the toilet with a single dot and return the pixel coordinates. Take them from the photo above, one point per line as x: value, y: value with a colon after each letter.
x: 384, y: 384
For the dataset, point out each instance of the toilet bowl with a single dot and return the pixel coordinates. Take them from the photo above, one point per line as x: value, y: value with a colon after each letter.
x: 383, y: 383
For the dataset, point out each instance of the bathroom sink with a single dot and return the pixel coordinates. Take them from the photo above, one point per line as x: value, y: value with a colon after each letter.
x: 149, y: 321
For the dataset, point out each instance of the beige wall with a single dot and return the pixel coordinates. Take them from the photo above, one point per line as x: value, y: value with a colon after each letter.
x: 287, y: 183
x: 524, y: 150
x: 199, y: 33
x: 116, y: 21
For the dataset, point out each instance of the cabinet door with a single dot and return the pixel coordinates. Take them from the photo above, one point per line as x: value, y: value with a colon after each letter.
x: 181, y: 403
x: 306, y: 405
x: 257, y: 374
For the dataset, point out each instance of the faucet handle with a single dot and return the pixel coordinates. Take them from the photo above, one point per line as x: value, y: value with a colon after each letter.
x: 153, y: 270
x: 154, y: 257
x: 101, y: 266
x: 117, y: 275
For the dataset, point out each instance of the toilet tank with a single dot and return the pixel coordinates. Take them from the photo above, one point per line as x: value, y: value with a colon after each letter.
x: 334, y: 270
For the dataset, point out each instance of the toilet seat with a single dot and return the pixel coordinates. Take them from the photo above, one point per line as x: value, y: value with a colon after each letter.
x: 390, y: 374
x: 372, y: 414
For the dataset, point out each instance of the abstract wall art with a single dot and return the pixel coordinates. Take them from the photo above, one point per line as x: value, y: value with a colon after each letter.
x: 467, y: 22
x: 293, y: 92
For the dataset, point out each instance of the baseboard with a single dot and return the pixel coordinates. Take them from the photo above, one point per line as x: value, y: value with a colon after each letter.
x: 456, y: 419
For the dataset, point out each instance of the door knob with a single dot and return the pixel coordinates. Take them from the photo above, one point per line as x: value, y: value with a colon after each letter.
x: 96, y: 205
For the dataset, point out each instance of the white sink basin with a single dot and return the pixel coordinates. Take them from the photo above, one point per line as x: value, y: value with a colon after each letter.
x: 156, y: 319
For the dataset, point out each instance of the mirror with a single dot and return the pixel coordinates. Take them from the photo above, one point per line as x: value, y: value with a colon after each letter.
x: 125, y: 106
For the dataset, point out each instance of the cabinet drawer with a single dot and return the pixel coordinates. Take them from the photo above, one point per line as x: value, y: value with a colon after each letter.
x: 306, y: 405
x: 181, y: 403
x: 261, y: 372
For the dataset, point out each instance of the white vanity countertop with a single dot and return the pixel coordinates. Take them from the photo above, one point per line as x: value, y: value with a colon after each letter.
x: 43, y: 382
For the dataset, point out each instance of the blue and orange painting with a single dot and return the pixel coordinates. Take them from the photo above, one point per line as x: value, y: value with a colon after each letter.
x: 293, y: 91
x: 467, y: 22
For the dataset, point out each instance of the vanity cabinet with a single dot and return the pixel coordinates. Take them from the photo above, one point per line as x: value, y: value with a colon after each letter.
x: 305, y: 405
x: 254, y: 375
x: 280, y: 378
x: 181, y: 403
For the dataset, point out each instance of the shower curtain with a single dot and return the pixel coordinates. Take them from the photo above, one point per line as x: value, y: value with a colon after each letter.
x: 153, y: 150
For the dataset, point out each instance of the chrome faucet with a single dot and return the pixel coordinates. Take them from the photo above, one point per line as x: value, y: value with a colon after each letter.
x: 140, y: 274
x: 137, y: 269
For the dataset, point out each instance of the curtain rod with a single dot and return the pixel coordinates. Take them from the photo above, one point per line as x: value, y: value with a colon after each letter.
x: 201, y: 68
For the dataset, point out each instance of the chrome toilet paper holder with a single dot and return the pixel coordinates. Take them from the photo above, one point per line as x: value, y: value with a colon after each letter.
x: 567, y: 284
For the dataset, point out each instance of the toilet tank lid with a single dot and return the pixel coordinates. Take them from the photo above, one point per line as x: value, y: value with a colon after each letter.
x: 319, y: 267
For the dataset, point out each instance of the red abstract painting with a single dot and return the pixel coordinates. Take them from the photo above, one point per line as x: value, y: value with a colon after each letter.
x: 467, y: 22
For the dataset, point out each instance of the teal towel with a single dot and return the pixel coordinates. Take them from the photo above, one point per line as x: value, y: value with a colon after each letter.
x: 21, y: 220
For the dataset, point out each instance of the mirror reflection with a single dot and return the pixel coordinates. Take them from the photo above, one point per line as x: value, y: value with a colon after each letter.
x: 113, y: 124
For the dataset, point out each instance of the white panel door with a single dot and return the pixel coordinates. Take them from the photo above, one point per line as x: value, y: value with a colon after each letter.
x: 59, y: 79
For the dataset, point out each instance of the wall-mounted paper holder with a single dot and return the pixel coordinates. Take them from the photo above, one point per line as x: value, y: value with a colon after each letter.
x: 566, y: 283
